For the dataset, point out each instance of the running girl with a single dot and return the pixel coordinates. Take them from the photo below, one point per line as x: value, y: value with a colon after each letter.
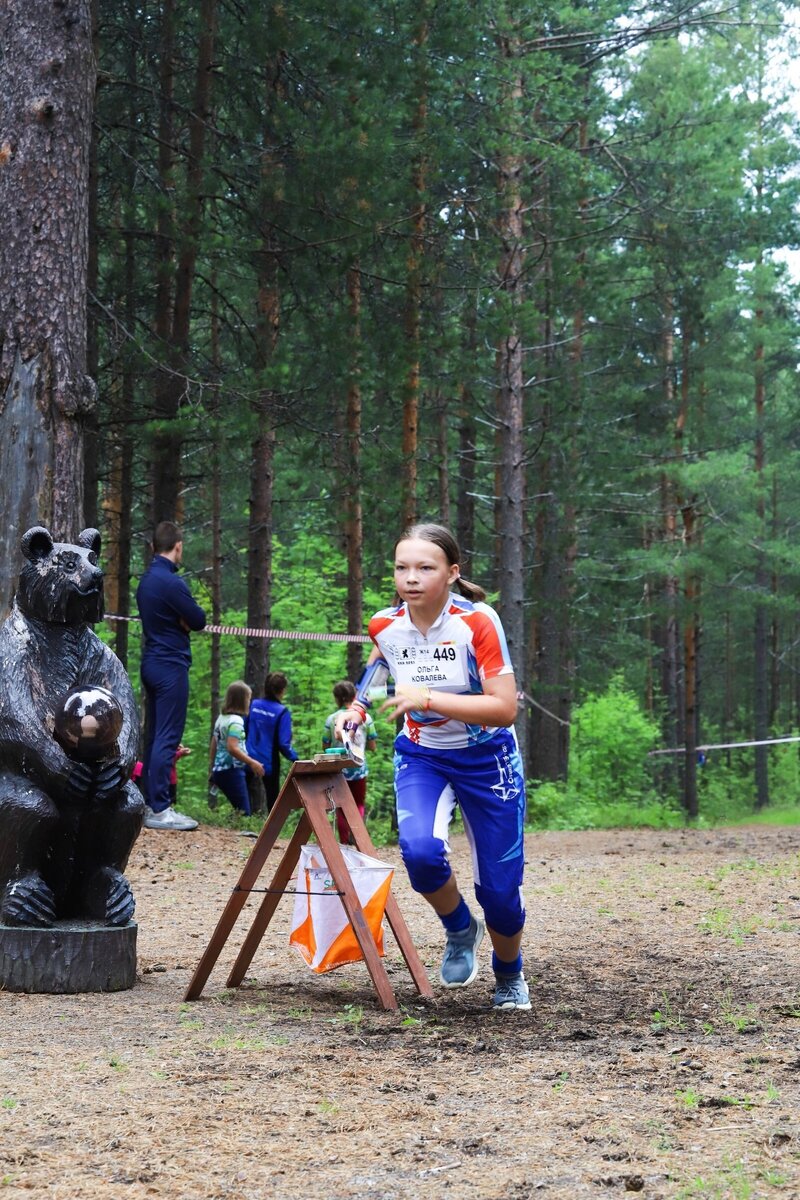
x: 455, y: 688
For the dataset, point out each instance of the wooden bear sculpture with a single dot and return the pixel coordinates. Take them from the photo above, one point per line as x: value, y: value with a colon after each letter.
x: 67, y: 822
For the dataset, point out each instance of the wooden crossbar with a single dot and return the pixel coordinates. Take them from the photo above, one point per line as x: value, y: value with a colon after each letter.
x: 317, y: 787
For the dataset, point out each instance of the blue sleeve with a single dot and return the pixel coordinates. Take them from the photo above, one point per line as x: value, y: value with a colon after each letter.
x: 285, y: 736
x: 186, y: 606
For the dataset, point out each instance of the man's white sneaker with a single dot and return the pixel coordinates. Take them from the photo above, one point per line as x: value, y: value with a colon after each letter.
x: 168, y: 819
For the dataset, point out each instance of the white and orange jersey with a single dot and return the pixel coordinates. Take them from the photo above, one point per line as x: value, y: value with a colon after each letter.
x: 463, y: 647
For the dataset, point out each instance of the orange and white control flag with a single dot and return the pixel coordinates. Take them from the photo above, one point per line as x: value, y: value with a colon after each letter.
x: 321, y: 930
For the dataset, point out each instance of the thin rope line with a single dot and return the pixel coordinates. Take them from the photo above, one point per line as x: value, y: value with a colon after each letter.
x: 542, y: 708
x: 288, y: 891
x: 727, y: 745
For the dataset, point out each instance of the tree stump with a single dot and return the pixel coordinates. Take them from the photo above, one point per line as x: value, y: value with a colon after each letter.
x: 70, y: 956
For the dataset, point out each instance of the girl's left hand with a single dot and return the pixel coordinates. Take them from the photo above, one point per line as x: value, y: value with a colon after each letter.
x: 408, y: 697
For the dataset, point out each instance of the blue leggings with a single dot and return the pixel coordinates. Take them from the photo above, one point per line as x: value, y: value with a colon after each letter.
x: 232, y: 782
x: 486, y: 781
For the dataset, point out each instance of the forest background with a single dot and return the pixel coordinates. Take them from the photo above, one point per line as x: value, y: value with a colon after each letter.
x: 518, y: 267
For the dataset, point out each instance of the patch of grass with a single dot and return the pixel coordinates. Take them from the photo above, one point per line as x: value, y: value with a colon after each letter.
x: 351, y: 1014
x: 300, y: 1012
x: 689, y: 1097
x: 184, y: 866
x: 773, y: 1178
x: 232, y: 1040
x: 329, y: 1107
x: 8, y: 1102
x: 741, y: 1020
x: 561, y: 1081
x: 721, y: 922
x: 768, y: 816
x: 730, y: 1183
x: 665, y: 1016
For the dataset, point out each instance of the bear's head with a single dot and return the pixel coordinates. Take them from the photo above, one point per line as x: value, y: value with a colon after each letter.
x: 61, y: 582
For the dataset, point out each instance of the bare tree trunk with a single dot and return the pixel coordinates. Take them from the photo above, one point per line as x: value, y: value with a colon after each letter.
x: 409, y: 501
x: 259, y: 549
x: 774, y: 628
x: 761, y: 621
x: 691, y: 594
x: 649, y: 634
x: 262, y: 455
x: 443, y: 457
x: 47, y: 81
x: 670, y: 675
x: 690, y: 641
x: 168, y: 442
x: 467, y: 454
x: 165, y: 257
x: 217, y: 450
x: 353, y: 510
x: 511, y: 394
x: 91, y: 430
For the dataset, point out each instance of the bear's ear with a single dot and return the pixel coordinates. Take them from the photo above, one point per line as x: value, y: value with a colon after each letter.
x: 90, y: 539
x: 36, y: 543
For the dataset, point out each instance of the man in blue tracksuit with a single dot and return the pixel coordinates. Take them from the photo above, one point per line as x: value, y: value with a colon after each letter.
x: 168, y: 612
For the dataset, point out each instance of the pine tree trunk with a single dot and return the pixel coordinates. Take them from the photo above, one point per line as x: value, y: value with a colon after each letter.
x: 259, y: 550
x: 691, y: 595
x: 443, y: 457
x: 511, y: 393
x: 690, y: 640
x: 351, y: 476
x: 761, y: 619
x: 47, y: 81
x: 162, y: 505
x: 168, y: 442
x: 412, y: 320
x: 91, y: 448
x: 670, y: 657
x: 467, y: 454
x: 217, y: 450
x: 774, y: 628
x: 262, y: 456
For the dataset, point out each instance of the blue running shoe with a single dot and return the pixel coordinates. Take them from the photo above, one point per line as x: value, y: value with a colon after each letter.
x: 460, y: 962
x: 511, y: 992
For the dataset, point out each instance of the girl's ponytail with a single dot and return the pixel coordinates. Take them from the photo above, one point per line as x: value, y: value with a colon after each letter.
x: 470, y: 591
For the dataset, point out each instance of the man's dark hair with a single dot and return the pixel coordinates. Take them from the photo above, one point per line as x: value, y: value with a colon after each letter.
x: 166, y: 537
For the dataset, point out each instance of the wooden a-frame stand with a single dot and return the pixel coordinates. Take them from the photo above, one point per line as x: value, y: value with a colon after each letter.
x: 316, y: 787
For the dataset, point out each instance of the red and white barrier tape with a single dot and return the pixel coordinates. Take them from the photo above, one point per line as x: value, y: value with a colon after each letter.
x: 241, y: 631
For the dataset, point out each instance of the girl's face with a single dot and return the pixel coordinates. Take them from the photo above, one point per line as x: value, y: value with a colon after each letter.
x: 422, y: 574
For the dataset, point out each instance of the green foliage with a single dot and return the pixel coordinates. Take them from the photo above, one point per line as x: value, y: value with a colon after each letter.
x: 611, y: 777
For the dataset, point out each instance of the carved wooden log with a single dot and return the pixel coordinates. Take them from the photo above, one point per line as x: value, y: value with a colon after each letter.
x: 71, y: 956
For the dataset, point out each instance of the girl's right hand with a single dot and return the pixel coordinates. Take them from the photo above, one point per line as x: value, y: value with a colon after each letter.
x: 257, y: 768
x: 351, y: 718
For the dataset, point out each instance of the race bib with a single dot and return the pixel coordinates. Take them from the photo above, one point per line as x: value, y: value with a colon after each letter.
x: 440, y: 665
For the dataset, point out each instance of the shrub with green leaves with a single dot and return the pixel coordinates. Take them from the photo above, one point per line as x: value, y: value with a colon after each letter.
x: 611, y: 738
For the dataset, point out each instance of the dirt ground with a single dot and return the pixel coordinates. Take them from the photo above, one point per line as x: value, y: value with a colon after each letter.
x: 661, y: 1057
